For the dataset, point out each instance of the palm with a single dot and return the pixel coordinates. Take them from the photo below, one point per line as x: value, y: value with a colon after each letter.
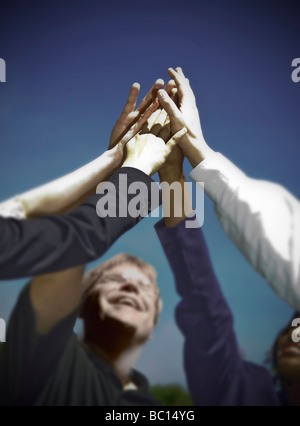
x: 122, y: 126
x: 130, y: 115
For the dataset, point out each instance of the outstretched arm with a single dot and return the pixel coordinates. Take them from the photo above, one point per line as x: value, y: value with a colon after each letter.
x: 261, y: 218
x: 61, y: 195
x: 176, y: 201
x: 216, y: 373
x: 57, y: 242
x: 54, y: 243
x: 68, y: 192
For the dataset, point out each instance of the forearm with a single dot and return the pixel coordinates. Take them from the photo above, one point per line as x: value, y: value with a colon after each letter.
x: 57, y: 242
x: 216, y: 373
x: 176, y: 203
x: 64, y: 194
x: 196, y: 150
x: 55, y: 296
x: 212, y: 360
x: 261, y: 218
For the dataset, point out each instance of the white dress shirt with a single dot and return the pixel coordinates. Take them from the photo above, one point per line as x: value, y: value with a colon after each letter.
x: 261, y: 218
x: 12, y: 208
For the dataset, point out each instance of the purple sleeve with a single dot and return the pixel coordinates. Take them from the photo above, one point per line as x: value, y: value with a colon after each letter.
x: 216, y: 373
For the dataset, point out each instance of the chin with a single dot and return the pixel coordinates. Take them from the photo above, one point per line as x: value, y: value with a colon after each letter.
x: 122, y: 322
x: 289, y: 368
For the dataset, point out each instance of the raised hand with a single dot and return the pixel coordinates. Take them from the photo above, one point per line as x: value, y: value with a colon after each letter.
x: 133, y: 121
x: 175, y: 208
x: 130, y: 115
x: 186, y: 114
x: 116, y: 153
x: 172, y: 169
x: 148, y: 152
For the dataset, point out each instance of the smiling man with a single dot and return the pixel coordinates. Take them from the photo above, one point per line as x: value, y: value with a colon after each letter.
x: 120, y: 309
x: 46, y: 364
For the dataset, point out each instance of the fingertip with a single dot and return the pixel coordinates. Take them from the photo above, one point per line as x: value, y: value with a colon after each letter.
x: 162, y: 97
x: 162, y: 93
x: 183, y: 130
x: 159, y: 82
x: 136, y: 85
x: 170, y: 85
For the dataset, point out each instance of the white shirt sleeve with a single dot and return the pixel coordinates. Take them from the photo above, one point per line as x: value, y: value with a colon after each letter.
x: 12, y: 208
x: 261, y: 218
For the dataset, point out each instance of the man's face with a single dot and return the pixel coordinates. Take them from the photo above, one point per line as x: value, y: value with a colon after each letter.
x: 127, y: 298
x: 288, y: 356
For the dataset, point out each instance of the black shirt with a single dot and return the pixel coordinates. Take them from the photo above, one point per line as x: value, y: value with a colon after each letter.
x: 56, y: 370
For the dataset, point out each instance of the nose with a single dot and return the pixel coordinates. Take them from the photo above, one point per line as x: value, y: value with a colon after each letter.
x: 130, y: 286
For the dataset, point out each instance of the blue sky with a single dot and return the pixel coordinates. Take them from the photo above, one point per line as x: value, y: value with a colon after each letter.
x: 69, y: 69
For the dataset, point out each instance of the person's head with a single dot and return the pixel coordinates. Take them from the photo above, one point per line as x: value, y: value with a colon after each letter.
x: 286, y: 352
x: 121, y: 295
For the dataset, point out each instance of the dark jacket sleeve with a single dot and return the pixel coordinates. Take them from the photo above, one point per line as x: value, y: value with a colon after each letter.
x: 57, y: 242
x: 216, y: 373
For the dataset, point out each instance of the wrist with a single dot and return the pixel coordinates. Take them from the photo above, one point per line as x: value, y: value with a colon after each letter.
x: 196, y: 152
x: 176, y: 204
x: 112, y: 157
x: 171, y: 174
x: 135, y: 165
